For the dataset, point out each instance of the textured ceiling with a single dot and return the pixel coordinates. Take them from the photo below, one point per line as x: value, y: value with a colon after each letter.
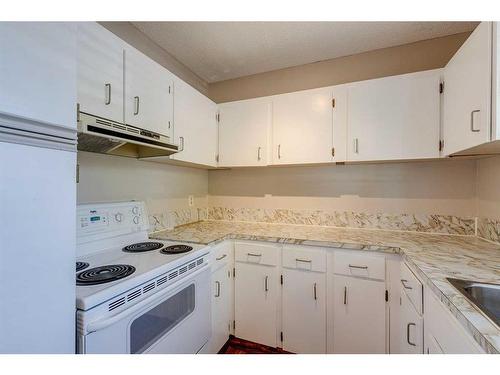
x: 217, y: 51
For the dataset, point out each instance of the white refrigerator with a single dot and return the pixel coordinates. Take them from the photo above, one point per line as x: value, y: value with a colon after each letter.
x: 37, y: 187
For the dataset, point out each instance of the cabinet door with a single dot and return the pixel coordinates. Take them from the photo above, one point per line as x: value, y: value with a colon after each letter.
x: 256, y: 302
x: 244, y: 128
x: 467, y: 92
x: 195, y: 125
x: 411, y: 328
x: 148, y: 93
x: 38, y: 71
x: 394, y: 118
x: 302, y: 127
x: 100, y: 72
x: 221, y: 308
x: 358, y: 315
x: 304, y: 311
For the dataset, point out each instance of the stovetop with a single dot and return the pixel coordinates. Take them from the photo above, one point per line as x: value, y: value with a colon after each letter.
x: 147, y: 265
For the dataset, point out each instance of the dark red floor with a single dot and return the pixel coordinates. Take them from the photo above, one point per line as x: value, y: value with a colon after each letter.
x: 239, y: 346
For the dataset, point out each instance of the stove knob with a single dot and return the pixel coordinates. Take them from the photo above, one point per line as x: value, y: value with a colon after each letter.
x: 136, y: 219
x: 119, y: 217
x: 135, y: 210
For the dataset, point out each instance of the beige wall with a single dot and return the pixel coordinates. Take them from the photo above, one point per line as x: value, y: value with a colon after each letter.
x: 423, y: 55
x: 133, y: 36
x: 488, y: 187
x: 164, y: 187
x: 435, y: 187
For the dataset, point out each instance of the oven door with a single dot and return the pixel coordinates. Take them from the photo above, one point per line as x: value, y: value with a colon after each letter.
x: 174, y: 320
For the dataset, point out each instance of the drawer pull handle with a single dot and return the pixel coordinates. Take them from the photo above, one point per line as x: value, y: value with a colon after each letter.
x: 359, y: 267
x: 217, y: 293
x: 345, y: 295
x: 315, y: 292
x: 403, y: 281
x: 254, y: 255
x: 408, y: 334
x: 266, y: 286
x: 221, y: 257
x: 303, y: 260
x: 108, y: 94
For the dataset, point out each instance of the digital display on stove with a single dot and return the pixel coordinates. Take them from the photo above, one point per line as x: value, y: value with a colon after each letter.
x: 95, y: 218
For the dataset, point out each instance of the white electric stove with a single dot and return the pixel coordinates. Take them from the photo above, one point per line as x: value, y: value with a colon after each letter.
x: 133, y: 294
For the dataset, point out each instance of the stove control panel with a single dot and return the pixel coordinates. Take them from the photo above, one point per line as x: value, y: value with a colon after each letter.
x: 94, y: 219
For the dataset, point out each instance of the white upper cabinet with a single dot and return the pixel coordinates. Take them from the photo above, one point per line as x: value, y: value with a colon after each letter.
x: 467, y: 93
x: 43, y: 54
x: 244, y: 128
x: 100, y: 72
x: 195, y: 126
x: 394, y: 118
x: 148, y: 93
x: 303, y: 127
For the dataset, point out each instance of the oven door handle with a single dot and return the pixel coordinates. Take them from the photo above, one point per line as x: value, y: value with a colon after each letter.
x: 148, y: 302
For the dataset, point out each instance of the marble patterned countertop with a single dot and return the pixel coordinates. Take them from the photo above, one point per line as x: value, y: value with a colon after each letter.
x: 433, y: 256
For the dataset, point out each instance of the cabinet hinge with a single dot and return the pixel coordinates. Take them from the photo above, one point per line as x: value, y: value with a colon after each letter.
x: 441, y: 145
x: 234, y: 324
x: 333, y: 102
x: 78, y: 173
x: 217, y: 117
x: 386, y: 295
x: 441, y: 87
x: 333, y: 151
x: 281, y: 279
x: 281, y: 336
x: 169, y: 89
x: 234, y: 272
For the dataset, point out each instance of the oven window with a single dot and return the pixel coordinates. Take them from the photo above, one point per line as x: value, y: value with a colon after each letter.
x: 149, y: 327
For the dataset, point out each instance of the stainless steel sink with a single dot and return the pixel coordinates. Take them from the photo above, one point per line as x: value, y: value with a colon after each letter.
x: 486, y: 297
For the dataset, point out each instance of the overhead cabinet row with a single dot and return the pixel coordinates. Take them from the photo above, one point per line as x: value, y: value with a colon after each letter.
x: 383, y: 119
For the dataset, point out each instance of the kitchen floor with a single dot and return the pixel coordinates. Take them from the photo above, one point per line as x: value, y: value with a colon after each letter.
x: 239, y: 346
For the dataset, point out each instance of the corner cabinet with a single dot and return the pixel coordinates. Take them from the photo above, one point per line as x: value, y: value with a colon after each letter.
x: 195, y: 128
x: 244, y: 128
x: 44, y: 55
x: 394, y: 117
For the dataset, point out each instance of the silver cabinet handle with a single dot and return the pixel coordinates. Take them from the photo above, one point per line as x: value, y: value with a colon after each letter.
x: 107, y: 87
x: 258, y: 153
x: 359, y: 267
x: 345, y: 295
x: 279, y: 151
x: 356, y: 146
x: 303, y: 260
x: 266, y: 286
x: 222, y: 257
x: 254, y: 255
x: 408, y: 334
x: 404, y: 284
x: 136, y: 105
x: 181, y: 146
x: 315, y: 292
x: 217, y: 293
x: 472, y: 121
x: 169, y: 124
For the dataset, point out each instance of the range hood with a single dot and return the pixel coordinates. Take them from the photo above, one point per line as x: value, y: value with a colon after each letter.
x: 103, y: 136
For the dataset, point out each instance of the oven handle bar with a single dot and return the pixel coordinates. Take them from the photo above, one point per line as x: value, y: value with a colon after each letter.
x: 100, y: 324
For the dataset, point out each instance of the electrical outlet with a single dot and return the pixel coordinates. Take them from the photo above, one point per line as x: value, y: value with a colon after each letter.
x: 191, y: 200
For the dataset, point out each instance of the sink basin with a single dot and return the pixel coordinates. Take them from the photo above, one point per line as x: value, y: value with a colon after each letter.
x: 486, y: 297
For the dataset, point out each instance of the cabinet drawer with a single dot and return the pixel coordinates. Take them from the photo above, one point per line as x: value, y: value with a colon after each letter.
x: 256, y: 253
x: 412, y: 287
x: 361, y: 265
x: 309, y: 259
x: 222, y: 254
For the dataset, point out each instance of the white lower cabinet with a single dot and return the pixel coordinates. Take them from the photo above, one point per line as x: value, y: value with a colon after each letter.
x: 359, y: 315
x: 411, y: 328
x: 304, y: 311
